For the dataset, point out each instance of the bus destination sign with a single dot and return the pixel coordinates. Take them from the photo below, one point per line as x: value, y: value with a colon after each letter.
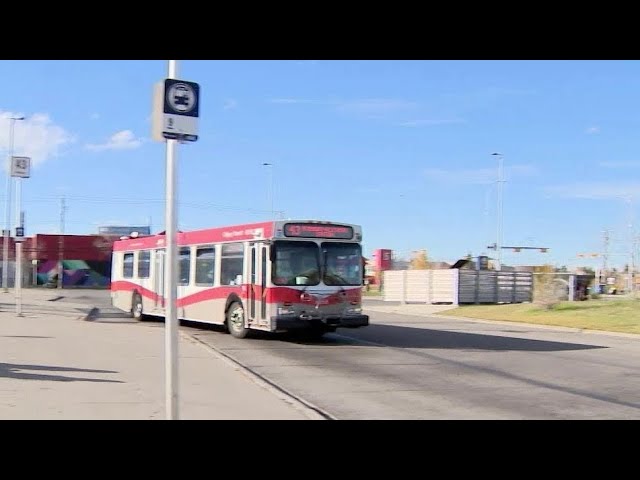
x: 314, y: 230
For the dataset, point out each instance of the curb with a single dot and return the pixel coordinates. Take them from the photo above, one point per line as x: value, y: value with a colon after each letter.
x: 307, y: 408
x: 514, y: 322
x: 540, y: 326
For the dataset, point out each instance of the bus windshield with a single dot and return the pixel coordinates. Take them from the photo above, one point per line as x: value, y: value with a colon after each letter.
x: 342, y: 263
x: 296, y: 263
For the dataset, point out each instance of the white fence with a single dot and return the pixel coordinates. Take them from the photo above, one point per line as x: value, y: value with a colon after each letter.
x: 457, y: 286
x: 421, y: 286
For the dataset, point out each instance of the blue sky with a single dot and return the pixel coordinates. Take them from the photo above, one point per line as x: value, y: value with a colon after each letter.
x: 401, y: 147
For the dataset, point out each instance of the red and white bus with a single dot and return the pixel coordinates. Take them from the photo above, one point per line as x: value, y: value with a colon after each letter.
x: 272, y: 276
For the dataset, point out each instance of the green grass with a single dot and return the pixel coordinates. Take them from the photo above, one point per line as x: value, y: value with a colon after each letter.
x: 609, y: 315
x: 371, y: 293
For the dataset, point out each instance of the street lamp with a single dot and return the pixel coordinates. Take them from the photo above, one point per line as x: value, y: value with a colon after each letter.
x: 500, y: 211
x: 271, y: 191
x: 5, y: 250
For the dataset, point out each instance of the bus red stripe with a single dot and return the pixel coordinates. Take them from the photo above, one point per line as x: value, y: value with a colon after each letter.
x: 273, y: 295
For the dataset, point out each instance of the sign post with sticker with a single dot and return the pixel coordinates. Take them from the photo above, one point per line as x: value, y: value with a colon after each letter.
x: 176, y: 109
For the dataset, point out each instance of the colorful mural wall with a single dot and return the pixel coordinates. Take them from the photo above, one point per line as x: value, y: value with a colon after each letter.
x: 87, y: 259
x: 76, y: 273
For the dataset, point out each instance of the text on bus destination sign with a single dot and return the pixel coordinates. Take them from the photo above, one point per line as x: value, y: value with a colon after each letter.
x: 317, y: 231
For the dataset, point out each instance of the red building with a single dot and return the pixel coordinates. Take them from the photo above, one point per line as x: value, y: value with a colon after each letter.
x: 86, y: 259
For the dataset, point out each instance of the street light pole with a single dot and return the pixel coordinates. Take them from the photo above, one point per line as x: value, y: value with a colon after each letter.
x: 500, y: 211
x: 5, y: 250
x: 271, y: 192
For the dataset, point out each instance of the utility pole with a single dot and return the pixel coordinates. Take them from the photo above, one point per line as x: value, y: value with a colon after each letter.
x: 605, y: 255
x: 271, y: 189
x: 499, y: 211
x: 7, y: 231
x: 631, y: 246
x: 63, y: 209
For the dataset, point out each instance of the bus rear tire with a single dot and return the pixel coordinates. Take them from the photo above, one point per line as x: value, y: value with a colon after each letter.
x: 235, y: 321
x: 136, y: 307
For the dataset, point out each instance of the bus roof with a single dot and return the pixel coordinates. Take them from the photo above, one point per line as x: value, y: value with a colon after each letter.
x: 301, y: 229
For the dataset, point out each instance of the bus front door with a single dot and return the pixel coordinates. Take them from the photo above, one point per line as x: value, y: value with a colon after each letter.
x: 158, y: 283
x: 258, y: 284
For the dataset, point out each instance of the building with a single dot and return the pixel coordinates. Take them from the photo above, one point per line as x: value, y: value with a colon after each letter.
x: 86, y: 259
x: 122, y: 231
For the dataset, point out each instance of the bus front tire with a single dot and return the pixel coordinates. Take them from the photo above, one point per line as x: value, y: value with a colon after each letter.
x: 235, y: 321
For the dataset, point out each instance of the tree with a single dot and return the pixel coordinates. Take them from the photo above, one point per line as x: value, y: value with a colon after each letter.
x: 419, y: 261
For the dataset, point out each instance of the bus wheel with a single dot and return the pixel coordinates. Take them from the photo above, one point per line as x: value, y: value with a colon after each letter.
x: 136, y: 307
x: 235, y: 321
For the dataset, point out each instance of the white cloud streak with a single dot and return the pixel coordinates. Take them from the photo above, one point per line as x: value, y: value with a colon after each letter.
x: 629, y: 164
x: 373, y: 106
x: 430, y: 123
x: 230, y: 104
x: 593, y: 130
x: 595, y: 190
x: 122, y: 140
x: 288, y: 101
x: 37, y: 136
x: 477, y: 176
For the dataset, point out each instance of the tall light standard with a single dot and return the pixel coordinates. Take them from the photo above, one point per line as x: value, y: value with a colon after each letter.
x: 5, y: 250
x: 271, y: 191
x: 500, y: 211
x: 632, y: 267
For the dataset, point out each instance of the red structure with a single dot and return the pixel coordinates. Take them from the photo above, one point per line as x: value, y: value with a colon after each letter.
x: 86, y: 259
x: 382, y: 260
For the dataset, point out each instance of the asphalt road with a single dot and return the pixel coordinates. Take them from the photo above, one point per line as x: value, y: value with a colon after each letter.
x: 409, y: 367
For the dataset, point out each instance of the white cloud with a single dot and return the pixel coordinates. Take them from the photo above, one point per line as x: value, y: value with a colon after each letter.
x: 477, y: 176
x: 428, y: 123
x: 484, y: 98
x: 596, y: 190
x: 373, y: 106
x: 630, y: 164
x: 37, y: 136
x: 593, y: 130
x: 288, y: 101
x: 230, y: 104
x: 95, y: 116
x: 122, y: 140
x: 369, y: 190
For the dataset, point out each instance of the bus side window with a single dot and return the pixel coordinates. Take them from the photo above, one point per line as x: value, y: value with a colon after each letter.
x: 184, y: 261
x: 232, y: 260
x: 205, y: 266
x: 127, y: 266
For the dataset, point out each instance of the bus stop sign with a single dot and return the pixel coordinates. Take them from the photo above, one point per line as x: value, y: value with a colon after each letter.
x: 176, y: 110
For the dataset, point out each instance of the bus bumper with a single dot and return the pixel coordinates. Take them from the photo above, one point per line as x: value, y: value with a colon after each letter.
x: 283, y: 322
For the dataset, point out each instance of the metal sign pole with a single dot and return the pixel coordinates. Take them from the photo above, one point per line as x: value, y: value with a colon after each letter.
x: 176, y: 106
x: 20, y: 168
x: 7, y: 231
x: 171, y: 318
x: 18, y: 280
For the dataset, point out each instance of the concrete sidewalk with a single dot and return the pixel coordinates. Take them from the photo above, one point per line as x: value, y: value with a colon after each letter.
x: 56, y: 365
x: 414, y: 309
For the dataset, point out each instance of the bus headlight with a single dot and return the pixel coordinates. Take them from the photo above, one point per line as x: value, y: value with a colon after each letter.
x: 354, y: 310
x: 285, y: 311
